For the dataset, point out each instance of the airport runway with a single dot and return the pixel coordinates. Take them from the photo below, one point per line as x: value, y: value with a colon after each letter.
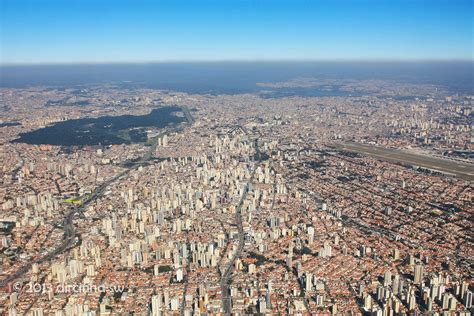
x: 462, y: 170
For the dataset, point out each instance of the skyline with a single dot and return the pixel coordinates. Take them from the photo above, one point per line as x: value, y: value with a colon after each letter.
x: 53, y: 32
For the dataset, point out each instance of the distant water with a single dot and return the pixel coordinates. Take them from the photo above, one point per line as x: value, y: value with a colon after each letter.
x: 236, y: 77
x: 105, y: 130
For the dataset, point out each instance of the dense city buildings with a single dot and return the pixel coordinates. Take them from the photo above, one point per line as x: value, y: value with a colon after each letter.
x: 355, y: 201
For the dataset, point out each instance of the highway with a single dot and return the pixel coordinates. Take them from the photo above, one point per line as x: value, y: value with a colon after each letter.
x: 460, y: 169
x: 226, y: 300
x: 226, y: 275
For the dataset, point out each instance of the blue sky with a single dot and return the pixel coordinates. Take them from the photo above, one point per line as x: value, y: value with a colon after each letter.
x: 87, y: 31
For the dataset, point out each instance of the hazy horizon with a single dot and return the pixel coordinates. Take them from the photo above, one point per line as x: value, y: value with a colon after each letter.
x: 237, y: 76
x: 214, y: 61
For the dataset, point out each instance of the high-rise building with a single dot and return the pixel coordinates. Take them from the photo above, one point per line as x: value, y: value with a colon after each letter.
x: 387, y: 278
x: 418, y: 275
x: 156, y: 301
x: 467, y: 299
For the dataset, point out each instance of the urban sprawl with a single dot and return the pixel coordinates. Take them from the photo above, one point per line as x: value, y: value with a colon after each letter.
x: 355, y: 204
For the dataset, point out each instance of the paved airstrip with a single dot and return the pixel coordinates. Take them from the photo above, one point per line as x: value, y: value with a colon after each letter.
x: 463, y: 170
